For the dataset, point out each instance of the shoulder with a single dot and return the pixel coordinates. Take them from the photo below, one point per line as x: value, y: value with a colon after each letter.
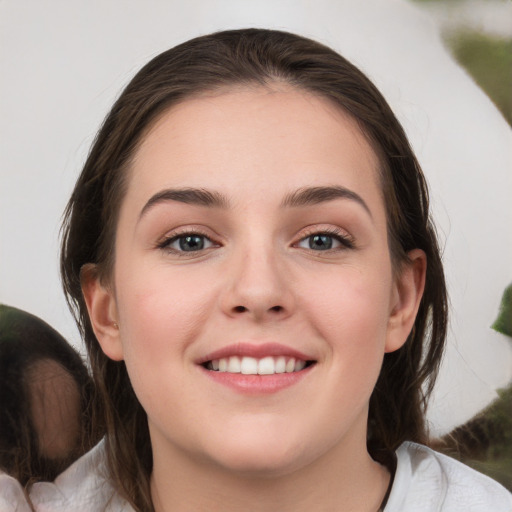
x: 83, y: 487
x: 12, y: 497
x: 429, y: 481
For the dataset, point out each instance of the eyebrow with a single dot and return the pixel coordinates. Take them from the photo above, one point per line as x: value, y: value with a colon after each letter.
x: 306, y: 196
x: 195, y: 196
x: 316, y: 195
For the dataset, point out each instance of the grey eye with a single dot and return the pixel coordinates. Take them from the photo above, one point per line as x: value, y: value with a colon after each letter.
x: 324, y: 242
x: 190, y: 243
x: 320, y: 242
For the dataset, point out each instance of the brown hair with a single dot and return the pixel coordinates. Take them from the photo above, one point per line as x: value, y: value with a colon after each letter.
x: 252, y: 57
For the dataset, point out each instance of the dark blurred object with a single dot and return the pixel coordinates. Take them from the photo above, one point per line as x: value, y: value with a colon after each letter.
x: 485, y: 442
x: 46, y: 398
x: 503, y: 323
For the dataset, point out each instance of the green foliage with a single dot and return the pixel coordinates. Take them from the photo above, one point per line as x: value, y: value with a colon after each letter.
x: 499, y: 414
x: 11, y: 318
x: 503, y: 323
x: 488, y: 59
x: 485, y: 442
x: 499, y: 470
x: 497, y: 462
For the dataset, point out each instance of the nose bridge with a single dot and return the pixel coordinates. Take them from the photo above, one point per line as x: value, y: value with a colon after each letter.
x: 257, y: 286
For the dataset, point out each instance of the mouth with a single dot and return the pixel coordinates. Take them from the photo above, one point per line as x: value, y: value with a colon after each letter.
x: 257, y: 368
x: 267, y: 365
x: 257, y: 376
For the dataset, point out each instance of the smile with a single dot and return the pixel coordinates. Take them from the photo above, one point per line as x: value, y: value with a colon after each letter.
x: 269, y: 365
x: 257, y: 369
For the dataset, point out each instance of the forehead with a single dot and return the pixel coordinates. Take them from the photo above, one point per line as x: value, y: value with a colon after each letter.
x: 263, y: 140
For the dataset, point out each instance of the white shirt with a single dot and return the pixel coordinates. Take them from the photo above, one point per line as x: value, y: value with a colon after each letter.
x: 83, y: 487
x: 425, y: 481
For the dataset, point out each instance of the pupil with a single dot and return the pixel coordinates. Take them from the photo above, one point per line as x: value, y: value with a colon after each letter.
x: 320, y: 242
x: 191, y: 243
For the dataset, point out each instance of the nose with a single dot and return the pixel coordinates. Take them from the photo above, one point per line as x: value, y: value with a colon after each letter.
x: 258, y: 287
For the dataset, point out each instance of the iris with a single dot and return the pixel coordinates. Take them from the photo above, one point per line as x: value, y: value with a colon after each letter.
x: 191, y: 243
x: 320, y: 242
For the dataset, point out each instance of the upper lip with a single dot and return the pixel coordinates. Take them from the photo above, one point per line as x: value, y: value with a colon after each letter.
x: 256, y: 350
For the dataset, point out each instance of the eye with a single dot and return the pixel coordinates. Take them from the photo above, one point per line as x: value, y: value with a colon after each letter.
x: 187, y: 242
x: 325, y: 241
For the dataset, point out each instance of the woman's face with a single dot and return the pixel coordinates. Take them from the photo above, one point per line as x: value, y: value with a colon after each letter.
x: 253, y: 238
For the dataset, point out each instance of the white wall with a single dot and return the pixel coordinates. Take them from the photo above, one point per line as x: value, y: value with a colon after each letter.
x: 62, y: 63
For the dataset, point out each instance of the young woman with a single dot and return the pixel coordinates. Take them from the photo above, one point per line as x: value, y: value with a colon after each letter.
x: 250, y: 258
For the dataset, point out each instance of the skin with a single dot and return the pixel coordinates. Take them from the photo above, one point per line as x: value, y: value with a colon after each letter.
x: 257, y: 281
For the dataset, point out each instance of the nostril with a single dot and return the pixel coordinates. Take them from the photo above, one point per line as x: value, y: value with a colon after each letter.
x: 243, y: 309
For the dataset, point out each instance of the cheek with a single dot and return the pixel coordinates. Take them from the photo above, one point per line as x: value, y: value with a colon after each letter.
x: 161, y: 311
x: 350, y: 311
x: 351, y: 301
x: 160, y: 315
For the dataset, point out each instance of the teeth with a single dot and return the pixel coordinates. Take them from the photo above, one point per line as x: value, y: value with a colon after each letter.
x: 251, y: 366
x: 299, y: 365
x: 290, y: 365
x: 266, y: 366
x: 234, y: 365
x: 280, y: 364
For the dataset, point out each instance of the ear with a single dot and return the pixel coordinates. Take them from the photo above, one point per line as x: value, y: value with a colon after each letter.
x: 102, y: 309
x: 406, y: 298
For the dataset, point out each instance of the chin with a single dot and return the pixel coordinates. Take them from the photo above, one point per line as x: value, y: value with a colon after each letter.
x: 263, y: 456
x: 261, y: 465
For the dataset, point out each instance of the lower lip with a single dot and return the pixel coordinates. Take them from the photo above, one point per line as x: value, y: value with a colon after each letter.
x: 257, y: 384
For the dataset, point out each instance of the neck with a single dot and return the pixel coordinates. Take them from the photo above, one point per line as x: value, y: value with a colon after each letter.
x: 341, y: 480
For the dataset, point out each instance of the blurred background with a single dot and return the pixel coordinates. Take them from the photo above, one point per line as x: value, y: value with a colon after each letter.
x: 478, y: 33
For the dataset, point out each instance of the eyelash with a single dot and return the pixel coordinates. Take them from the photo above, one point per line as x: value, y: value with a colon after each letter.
x: 341, y: 236
x: 166, y: 243
x: 337, y: 234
